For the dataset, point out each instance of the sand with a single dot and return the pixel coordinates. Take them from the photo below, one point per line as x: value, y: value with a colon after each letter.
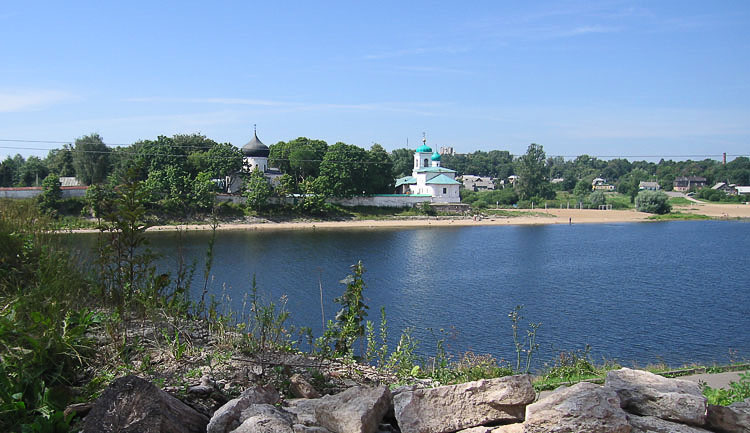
x: 527, y: 217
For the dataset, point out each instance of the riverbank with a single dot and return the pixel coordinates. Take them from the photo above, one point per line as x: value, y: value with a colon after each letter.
x: 519, y: 217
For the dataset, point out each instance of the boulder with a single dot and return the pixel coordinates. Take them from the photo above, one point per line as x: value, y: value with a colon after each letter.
x: 647, y: 394
x: 651, y: 424
x: 584, y: 407
x: 356, y: 410
x: 455, y: 407
x: 509, y: 428
x: 734, y: 418
x: 228, y: 417
x: 264, y: 418
x: 134, y: 405
x: 301, y: 388
x: 303, y: 410
x: 301, y: 428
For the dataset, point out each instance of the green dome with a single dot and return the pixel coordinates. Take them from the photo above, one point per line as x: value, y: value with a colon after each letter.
x: 424, y: 148
x: 435, y: 156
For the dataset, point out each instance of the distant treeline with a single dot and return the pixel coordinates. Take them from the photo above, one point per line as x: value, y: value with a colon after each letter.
x: 174, y: 164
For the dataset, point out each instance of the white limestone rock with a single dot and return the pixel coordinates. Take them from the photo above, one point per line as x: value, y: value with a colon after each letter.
x: 584, y: 407
x: 455, y: 407
x: 228, y: 417
x: 651, y: 424
x: 734, y: 418
x: 264, y: 418
x: 647, y: 394
x: 356, y: 410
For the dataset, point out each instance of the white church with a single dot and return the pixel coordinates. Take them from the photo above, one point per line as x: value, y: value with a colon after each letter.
x: 429, y: 178
x: 254, y: 156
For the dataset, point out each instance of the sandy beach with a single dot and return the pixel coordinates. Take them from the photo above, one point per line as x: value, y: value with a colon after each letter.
x: 531, y: 217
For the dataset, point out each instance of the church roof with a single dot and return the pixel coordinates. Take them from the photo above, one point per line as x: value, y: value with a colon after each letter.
x: 435, y: 156
x: 435, y: 170
x: 255, y: 147
x: 406, y: 180
x: 442, y: 180
x: 424, y: 149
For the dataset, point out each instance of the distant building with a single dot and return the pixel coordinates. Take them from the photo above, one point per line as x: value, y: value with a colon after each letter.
x: 478, y: 183
x: 447, y: 150
x: 512, y: 179
x: 686, y: 183
x: 70, y: 181
x: 600, y: 184
x: 649, y: 186
x: 429, y: 178
x: 254, y: 156
x: 743, y: 190
x: 557, y: 180
x: 723, y: 186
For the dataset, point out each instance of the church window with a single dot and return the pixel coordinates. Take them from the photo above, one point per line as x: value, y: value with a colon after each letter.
x: 445, y: 190
x: 426, y: 163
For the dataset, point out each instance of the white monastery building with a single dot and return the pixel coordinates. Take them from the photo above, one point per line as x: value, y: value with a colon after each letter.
x: 429, y: 178
x: 254, y: 156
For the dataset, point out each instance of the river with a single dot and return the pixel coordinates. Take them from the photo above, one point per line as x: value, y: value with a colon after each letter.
x: 639, y: 293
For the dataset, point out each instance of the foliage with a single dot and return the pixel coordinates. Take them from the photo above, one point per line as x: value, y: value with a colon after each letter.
x: 571, y: 365
x: 350, y: 320
x: 91, y: 159
x: 532, y: 171
x: 257, y: 191
x: 716, y: 195
x: 42, y: 323
x: 678, y: 216
x: 51, y: 196
x: 526, y: 345
x: 738, y: 391
x: 652, y: 202
x: 598, y: 198
x: 679, y: 201
x: 265, y: 326
x: 485, y: 199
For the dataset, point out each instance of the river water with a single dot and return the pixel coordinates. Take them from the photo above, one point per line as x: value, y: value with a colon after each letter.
x: 640, y: 293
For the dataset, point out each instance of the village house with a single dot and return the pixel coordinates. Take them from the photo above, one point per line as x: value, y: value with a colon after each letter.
x: 687, y: 183
x: 649, y: 186
x: 478, y: 183
x: 727, y: 188
x: 600, y: 184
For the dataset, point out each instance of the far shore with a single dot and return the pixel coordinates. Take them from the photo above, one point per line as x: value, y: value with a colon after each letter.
x: 531, y: 217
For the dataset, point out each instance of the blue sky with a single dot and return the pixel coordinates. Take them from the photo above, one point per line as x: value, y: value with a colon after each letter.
x: 608, y: 78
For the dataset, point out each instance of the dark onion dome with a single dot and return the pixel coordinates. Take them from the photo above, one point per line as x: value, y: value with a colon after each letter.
x: 255, y: 148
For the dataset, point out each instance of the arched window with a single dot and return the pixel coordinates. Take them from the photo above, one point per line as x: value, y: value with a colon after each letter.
x: 426, y: 162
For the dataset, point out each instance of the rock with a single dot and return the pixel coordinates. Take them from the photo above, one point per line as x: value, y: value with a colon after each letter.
x: 206, y: 387
x: 304, y: 410
x: 734, y: 418
x: 583, y: 407
x: 356, y: 410
x: 301, y: 388
x: 228, y: 417
x: 301, y: 428
x: 264, y: 418
x: 134, y: 405
x: 646, y: 394
x: 649, y: 424
x: 456, y: 407
x: 509, y: 428
x: 79, y: 409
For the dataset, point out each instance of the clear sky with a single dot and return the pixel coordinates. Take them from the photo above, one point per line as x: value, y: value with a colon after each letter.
x: 607, y: 78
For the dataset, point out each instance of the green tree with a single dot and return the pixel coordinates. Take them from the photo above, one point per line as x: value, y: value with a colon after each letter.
x: 218, y: 161
x: 60, y: 161
x: 203, y: 191
x: 91, y: 159
x: 378, y: 172
x: 10, y: 171
x: 344, y: 170
x: 51, y: 196
x: 257, y: 191
x: 532, y: 172
x: 597, y: 198
x: 403, y: 162
x: 32, y: 172
x: 350, y: 320
x: 652, y: 202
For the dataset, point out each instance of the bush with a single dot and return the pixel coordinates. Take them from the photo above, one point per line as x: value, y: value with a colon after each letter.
x: 652, y: 202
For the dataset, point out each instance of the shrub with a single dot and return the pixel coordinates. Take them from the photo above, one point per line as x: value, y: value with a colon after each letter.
x: 652, y: 202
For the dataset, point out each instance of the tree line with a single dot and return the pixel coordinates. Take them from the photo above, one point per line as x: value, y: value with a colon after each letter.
x: 180, y: 172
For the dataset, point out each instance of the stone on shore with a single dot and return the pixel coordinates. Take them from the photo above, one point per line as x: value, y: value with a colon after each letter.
x: 134, y: 405
x: 228, y: 417
x: 264, y: 418
x: 652, y: 424
x: 356, y: 410
x: 734, y: 418
x: 455, y: 407
x: 647, y: 394
x: 301, y: 388
x: 584, y: 407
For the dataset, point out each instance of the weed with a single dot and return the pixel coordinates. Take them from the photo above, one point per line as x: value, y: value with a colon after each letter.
x: 526, y: 346
x: 738, y: 391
